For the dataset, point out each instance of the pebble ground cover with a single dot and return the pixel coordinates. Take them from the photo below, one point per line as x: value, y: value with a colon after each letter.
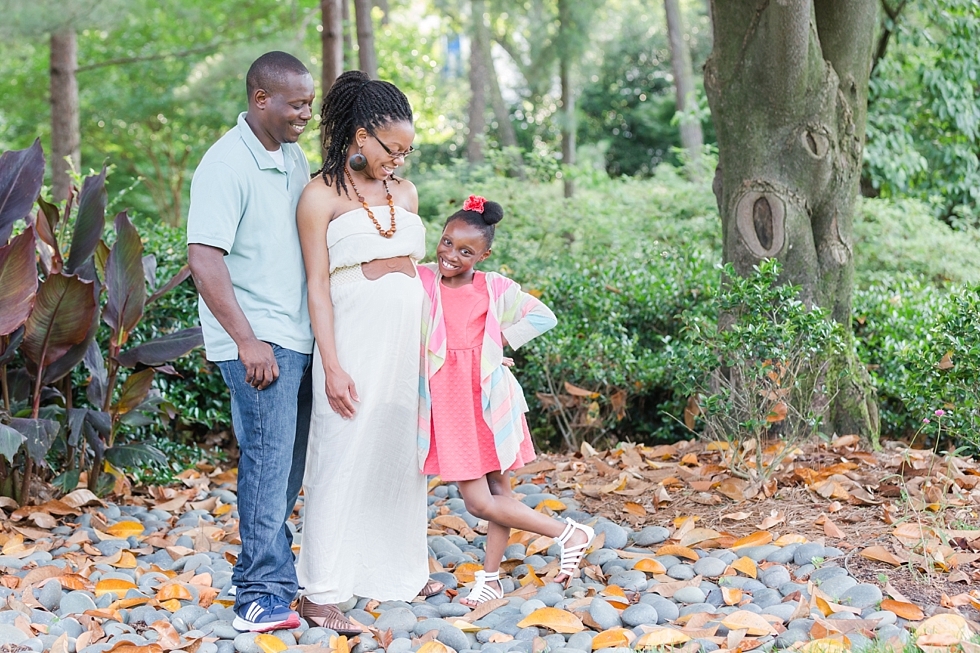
x: 687, y: 558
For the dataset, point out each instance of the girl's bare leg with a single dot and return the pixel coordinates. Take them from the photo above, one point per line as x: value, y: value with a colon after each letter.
x: 490, y: 498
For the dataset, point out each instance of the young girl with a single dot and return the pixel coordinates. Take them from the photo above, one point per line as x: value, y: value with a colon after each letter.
x: 472, y: 428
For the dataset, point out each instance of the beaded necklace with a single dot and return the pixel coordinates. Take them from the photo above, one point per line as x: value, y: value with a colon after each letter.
x: 391, y: 205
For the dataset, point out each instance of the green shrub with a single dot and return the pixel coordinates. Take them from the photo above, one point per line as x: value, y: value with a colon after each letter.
x: 902, y: 236
x: 199, y: 394
x: 618, y: 320
x: 762, y: 382
x: 944, y: 369
x: 892, y: 318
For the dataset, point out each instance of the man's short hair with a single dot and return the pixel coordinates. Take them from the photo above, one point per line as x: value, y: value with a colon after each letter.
x: 270, y: 70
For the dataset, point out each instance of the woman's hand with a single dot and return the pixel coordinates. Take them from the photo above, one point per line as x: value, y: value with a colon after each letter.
x: 508, y: 362
x: 341, y: 393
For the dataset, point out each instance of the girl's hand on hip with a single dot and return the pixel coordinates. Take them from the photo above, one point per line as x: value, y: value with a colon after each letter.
x: 341, y: 393
x: 508, y: 362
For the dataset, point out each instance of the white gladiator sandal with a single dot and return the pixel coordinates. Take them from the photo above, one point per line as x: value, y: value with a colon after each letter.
x: 571, y: 556
x: 481, y: 592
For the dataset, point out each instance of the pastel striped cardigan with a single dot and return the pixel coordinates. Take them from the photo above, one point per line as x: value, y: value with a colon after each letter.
x: 513, y: 313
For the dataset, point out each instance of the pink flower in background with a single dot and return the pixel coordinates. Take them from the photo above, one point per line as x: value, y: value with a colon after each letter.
x: 940, y: 412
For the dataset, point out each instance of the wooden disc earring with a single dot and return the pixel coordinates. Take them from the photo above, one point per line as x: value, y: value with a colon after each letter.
x: 357, y: 161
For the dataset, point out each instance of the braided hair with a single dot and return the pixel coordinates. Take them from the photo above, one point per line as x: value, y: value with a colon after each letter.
x: 355, y: 100
x: 485, y: 221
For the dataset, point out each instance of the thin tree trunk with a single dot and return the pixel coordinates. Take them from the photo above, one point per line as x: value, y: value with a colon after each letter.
x: 477, y: 122
x: 505, y: 128
x: 711, y: 20
x: 366, y: 56
x: 692, y: 139
x: 383, y: 6
x: 568, y: 123
x: 788, y: 88
x: 567, y: 94
x: 348, y: 30
x: 65, y: 130
x: 332, y: 43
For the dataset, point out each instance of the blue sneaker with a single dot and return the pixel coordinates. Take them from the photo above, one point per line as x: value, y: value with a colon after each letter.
x: 264, y: 614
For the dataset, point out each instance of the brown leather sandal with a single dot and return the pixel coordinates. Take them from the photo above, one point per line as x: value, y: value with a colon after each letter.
x: 432, y: 588
x: 327, y: 616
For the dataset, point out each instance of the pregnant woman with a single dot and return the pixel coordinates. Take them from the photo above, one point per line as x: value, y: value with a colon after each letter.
x: 365, y: 515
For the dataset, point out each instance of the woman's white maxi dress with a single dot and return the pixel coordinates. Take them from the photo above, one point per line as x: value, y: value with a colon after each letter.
x: 364, y: 526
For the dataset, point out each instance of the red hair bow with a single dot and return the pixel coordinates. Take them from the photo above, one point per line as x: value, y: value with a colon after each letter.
x: 474, y: 203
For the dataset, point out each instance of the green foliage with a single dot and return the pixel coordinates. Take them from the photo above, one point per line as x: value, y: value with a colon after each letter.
x: 199, y: 395
x: 602, y: 373
x: 904, y: 328
x: 629, y: 103
x: 892, y: 317
x: 902, y: 235
x: 64, y: 293
x: 174, y: 457
x: 943, y: 371
x: 758, y: 365
x: 923, y: 134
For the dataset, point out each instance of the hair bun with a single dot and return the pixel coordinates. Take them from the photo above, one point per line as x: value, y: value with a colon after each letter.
x: 353, y: 76
x: 492, y: 212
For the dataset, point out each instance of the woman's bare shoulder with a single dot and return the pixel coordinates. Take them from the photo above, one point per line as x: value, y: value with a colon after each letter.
x: 322, y: 199
x: 406, y: 195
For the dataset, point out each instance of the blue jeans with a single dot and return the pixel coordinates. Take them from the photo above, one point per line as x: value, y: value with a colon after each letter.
x: 272, y: 427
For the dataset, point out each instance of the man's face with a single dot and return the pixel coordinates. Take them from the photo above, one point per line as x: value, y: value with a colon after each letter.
x: 287, y: 109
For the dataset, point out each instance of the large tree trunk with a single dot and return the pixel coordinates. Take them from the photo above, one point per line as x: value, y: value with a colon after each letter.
x: 477, y: 122
x: 65, y: 130
x: 567, y: 93
x: 787, y: 83
x: 680, y: 60
x: 332, y: 43
x: 366, y: 55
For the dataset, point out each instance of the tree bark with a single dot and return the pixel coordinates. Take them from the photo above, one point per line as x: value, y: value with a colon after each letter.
x: 567, y: 93
x: 332, y: 43
x: 348, y: 40
x: 505, y: 128
x: 692, y: 140
x: 385, y: 8
x: 366, y: 56
x: 477, y: 112
x: 65, y: 130
x: 787, y: 83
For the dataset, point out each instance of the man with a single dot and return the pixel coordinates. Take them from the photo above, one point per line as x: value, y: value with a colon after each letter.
x: 244, y: 252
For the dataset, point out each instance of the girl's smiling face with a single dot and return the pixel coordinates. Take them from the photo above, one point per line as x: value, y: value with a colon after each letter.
x: 461, y: 247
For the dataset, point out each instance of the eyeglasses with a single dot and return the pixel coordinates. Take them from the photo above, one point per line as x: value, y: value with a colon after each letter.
x: 394, y: 155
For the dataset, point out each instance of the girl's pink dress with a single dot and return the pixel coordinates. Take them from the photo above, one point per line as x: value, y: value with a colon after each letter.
x: 462, y: 447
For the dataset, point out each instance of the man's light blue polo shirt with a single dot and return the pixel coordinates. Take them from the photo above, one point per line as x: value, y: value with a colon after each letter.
x: 244, y: 203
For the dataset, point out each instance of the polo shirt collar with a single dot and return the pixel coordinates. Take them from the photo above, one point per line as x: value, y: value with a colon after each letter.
x: 263, y: 159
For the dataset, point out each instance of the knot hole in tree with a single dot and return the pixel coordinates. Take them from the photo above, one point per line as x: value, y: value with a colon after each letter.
x: 760, y: 218
x: 815, y: 143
